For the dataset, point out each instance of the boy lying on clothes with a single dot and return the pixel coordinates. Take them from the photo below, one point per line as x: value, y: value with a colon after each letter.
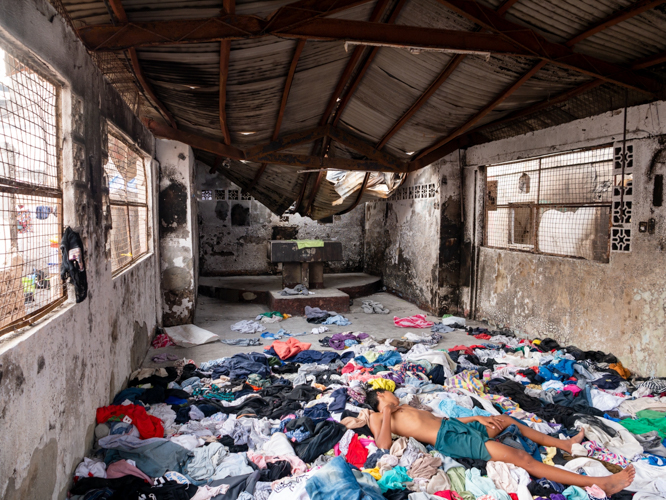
x: 472, y: 437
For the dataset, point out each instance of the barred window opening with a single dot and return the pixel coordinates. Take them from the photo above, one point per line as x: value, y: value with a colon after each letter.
x: 126, y: 175
x: 30, y: 195
x: 557, y: 204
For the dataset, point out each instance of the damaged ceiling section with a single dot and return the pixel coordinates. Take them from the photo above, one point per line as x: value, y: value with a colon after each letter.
x: 318, y: 106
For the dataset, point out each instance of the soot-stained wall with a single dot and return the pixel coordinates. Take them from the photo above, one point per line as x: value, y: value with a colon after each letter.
x: 235, y: 230
x: 178, y: 232
x: 413, y: 238
x: 54, y: 375
x: 617, y: 307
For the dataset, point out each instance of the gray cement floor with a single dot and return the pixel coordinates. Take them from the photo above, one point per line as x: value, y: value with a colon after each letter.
x: 217, y: 316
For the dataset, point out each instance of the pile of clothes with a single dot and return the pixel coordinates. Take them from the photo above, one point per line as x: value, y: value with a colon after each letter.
x: 291, y: 423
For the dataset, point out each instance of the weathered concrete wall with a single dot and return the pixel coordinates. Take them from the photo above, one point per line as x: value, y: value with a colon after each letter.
x: 403, y: 236
x: 234, y: 234
x: 618, y: 306
x: 54, y: 375
x: 178, y: 232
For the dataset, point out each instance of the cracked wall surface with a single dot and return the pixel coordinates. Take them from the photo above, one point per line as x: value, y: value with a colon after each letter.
x: 54, y: 375
x: 617, y: 307
x: 235, y: 233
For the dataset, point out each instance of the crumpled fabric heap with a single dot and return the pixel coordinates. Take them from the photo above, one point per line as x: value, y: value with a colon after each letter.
x: 299, y: 417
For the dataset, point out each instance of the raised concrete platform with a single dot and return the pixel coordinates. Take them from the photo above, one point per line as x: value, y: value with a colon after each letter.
x: 255, y: 289
x: 328, y: 299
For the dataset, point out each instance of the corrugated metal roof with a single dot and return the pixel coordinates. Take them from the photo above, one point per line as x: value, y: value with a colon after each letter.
x: 186, y: 80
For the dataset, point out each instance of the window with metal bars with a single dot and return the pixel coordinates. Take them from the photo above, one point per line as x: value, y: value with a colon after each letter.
x: 126, y: 176
x: 30, y: 194
x: 557, y: 204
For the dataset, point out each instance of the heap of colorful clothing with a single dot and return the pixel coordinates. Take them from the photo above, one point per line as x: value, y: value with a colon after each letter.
x: 291, y: 423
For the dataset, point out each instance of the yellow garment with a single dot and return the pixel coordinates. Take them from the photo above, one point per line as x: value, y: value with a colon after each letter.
x: 551, y: 451
x: 382, y: 383
x: 535, y: 386
x: 320, y: 387
x: 374, y: 473
x: 536, y: 341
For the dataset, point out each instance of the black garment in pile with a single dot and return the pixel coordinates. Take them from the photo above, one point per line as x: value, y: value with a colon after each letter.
x: 229, y: 442
x: 326, y: 434
x: 73, y: 263
x: 303, y: 393
x: 132, y: 487
x: 547, y: 412
x: 275, y: 470
x: 397, y: 494
x: 237, y: 484
x: 469, y: 463
x: 297, y: 423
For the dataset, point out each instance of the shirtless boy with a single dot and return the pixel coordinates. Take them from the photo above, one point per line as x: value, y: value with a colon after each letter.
x: 472, y: 437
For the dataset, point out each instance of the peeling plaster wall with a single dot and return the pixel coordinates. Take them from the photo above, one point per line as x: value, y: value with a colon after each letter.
x: 178, y: 230
x: 55, y: 374
x: 234, y: 234
x: 618, y: 307
x: 403, y: 234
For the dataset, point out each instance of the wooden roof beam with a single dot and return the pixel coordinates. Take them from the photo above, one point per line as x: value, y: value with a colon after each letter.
x: 119, y: 12
x: 615, y: 18
x: 555, y: 53
x: 652, y: 60
x: 427, y: 156
x: 283, y: 104
x: 225, y: 51
x: 505, y: 6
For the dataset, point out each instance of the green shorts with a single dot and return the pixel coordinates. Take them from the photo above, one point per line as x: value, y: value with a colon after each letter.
x: 458, y: 440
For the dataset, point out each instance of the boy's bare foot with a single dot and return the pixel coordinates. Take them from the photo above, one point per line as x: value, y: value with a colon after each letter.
x: 617, y: 482
x: 577, y: 439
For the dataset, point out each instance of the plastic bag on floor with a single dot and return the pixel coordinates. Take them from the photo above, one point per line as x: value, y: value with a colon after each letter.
x: 190, y: 335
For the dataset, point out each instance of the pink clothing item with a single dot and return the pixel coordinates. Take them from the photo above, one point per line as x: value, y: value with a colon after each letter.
x: 122, y: 468
x: 573, y: 388
x: 162, y: 340
x: 416, y: 321
x: 595, y: 492
x: 448, y: 494
x: 297, y: 465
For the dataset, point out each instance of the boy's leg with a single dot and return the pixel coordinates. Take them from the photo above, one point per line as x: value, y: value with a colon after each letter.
x: 610, y: 484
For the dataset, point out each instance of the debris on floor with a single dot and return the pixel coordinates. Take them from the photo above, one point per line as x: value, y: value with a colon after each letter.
x: 321, y: 317
x: 248, y: 326
x: 190, y: 335
x: 372, y: 307
x: 297, y: 290
x: 293, y: 423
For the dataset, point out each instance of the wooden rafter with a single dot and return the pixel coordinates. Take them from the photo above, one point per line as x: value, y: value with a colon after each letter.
x: 119, y: 12
x: 283, y: 104
x: 615, y: 18
x: 478, y: 116
x: 548, y: 51
x: 225, y: 51
x: 652, y: 60
x: 505, y: 6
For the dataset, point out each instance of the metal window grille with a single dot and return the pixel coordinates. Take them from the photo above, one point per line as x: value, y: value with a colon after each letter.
x: 206, y: 195
x: 128, y: 194
x: 30, y: 195
x: 556, y: 205
x: 233, y: 194
x: 220, y: 194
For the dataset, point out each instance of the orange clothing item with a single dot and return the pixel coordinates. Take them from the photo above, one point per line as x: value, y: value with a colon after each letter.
x: 620, y: 369
x: 289, y: 348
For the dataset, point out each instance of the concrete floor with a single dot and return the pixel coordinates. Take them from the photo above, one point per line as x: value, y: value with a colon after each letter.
x: 217, y: 316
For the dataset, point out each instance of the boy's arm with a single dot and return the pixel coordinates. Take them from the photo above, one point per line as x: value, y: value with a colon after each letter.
x: 380, y: 425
